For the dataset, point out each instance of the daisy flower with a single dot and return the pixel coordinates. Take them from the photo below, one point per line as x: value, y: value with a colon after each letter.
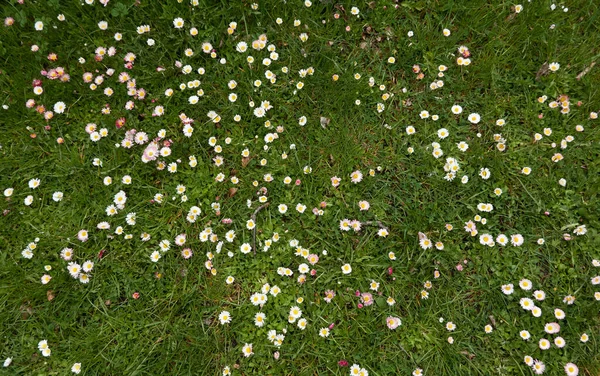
x: 474, y: 118
x: 178, y: 22
x: 34, y: 183
x: 508, y: 289
x: 544, y: 344
x: 324, y: 332
x: 525, y: 284
x: 247, y: 350
x: 571, y: 369
x: 155, y: 256
x: 356, y: 176
x: 346, y: 269
x: 538, y: 367
x: 224, y: 317
x: 259, y: 319
x: 76, y: 368
x: 82, y: 235
x: 393, y: 322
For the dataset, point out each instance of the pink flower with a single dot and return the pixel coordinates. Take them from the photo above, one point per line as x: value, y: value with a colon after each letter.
x: 390, y: 270
x: 331, y: 326
x: 313, y: 272
x: 356, y: 225
x: 329, y: 295
x: 343, y: 363
x: 276, y: 355
x: 360, y: 305
x: 135, y: 295
x: 459, y: 267
x: 298, y: 182
x: 335, y: 181
x: 393, y: 322
x: 348, y: 28
x: 552, y: 328
x: 366, y: 298
x: 150, y: 153
x: 120, y: 122
x: 186, y: 253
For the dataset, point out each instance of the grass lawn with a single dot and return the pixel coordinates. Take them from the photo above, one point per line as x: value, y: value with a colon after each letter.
x: 292, y: 188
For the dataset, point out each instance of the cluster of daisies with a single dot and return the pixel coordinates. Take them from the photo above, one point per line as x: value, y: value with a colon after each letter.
x: 552, y: 329
x: 263, y: 56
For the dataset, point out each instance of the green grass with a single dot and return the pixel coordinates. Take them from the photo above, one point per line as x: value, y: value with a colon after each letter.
x: 173, y: 327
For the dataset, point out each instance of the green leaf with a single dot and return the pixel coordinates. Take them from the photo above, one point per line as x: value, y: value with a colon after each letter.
x: 119, y: 10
